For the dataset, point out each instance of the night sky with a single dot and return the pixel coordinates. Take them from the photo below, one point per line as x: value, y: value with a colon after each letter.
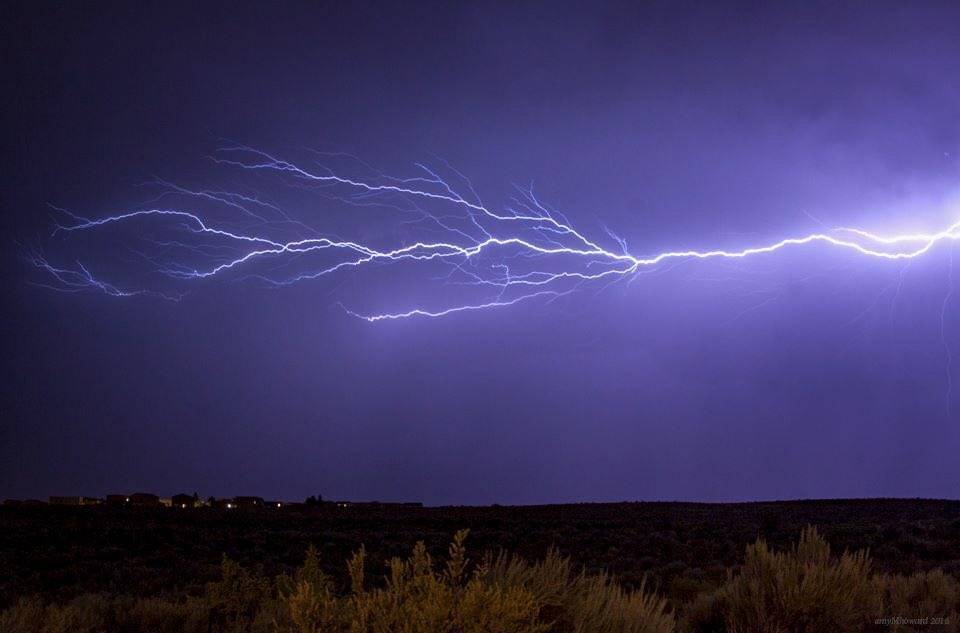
x: 809, y: 372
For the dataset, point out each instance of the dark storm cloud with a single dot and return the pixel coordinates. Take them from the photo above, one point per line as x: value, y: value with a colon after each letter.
x: 675, y: 125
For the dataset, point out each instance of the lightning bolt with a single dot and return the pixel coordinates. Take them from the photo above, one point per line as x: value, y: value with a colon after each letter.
x: 522, y: 252
x: 943, y: 335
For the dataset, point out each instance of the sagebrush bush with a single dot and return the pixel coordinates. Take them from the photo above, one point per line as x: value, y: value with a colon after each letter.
x: 807, y: 590
x: 803, y: 589
x: 923, y: 595
x: 501, y: 594
x: 95, y: 613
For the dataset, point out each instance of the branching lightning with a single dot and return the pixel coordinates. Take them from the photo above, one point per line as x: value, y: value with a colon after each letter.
x: 523, y: 252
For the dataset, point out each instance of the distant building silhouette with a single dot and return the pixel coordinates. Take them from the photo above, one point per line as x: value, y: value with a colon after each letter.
x: 75, y: 501
x: 64, y: 501
x: 245, y: 503
x: 248, y: 502
x: 377, y: 504
x: 182, y: 501
x: 144, y: 499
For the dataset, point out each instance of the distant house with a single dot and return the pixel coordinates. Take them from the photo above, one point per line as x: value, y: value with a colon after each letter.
x: 75, y: 501
x: 385, y: 505
x: 248, y: 502
x: 144, y: 499
x: 182, y: 501
x: 64, y: 501
x: 274, y: 504
x: 239, y: 502
x: 118, y: 500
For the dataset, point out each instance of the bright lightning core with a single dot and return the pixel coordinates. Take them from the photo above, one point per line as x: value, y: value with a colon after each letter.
x: 524, y: 251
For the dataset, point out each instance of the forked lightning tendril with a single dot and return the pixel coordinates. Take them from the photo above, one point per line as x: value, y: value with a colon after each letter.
x: 523, y: 252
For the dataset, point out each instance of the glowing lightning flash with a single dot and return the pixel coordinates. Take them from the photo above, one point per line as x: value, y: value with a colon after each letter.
x: 527, y: 251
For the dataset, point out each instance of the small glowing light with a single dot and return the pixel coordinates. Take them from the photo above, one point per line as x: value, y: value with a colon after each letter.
x: 229, y: 505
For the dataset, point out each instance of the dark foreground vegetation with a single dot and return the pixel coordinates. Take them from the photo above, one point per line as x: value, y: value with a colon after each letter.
x: 672, y: 566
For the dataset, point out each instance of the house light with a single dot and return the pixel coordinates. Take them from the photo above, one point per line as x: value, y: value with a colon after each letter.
x: 229, y: 505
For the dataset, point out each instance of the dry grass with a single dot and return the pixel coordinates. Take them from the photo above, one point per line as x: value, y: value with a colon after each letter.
x: 805, y: 588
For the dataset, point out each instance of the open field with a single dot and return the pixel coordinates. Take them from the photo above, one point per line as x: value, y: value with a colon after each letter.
x: 681, y: 548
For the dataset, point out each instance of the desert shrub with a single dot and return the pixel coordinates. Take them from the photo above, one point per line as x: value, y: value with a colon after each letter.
x: 416, y: 597
x: 599, y: 604
x: 577, y: 602
x: 922, y: 595
x: 803, y: 589
x: 707, y: 613
x: 547, y: 580
x: 90, y: 613
x: 26, y: 616
x: 685, y: 589
x: 96, y: 613
x: 237, y: 597
x: 502, y: 594
x: 159, y: 615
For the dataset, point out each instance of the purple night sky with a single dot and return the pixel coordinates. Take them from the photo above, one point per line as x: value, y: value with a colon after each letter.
x: 813, y: 371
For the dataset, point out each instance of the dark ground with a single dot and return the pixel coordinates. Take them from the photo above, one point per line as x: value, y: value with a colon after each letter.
x: 60, y: 552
